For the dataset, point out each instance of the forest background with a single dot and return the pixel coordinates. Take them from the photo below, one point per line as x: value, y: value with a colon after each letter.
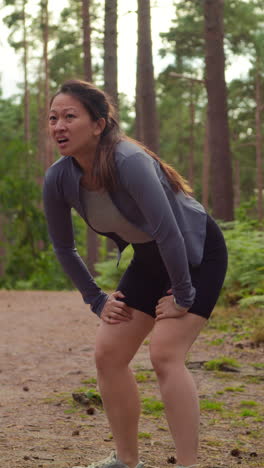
x: 209, y: 130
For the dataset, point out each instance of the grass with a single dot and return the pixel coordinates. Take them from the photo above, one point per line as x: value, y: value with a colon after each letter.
x: 144, y: 376
x: 248, y: 403
x: 247, y: 413
x: 258, y: 365
x: 219, y: 363
x: 144, y: 435
x: 152, y: 406
x: 94, y: 396
x: 216, y: 342
x: 91, y: 380
x: 210, y: 405
x: 241, y: 388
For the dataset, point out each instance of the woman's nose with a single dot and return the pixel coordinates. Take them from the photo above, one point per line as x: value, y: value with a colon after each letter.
x: 60, y: 124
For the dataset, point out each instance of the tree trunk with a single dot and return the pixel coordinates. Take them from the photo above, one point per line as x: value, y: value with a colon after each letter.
x: 86, y: 27
x: 26, y: 88
x: 146, y: 105
x: 91, y: 236
x: 110, y: 63
x: 206, y: 166
x: 139, y: 111
x: 110, y: 50
x: 259, y: 145
x: 191, y: 138
x: 221, y: 169
x: 49, y: 153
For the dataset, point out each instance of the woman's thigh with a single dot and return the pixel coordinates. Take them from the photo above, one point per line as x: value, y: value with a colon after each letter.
x: 173, y: 337
x: 118, y: 343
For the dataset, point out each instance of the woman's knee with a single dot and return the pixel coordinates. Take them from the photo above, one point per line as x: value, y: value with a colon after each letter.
x: 109, y: 357
x: 166, y: 357
x: 116, y: 345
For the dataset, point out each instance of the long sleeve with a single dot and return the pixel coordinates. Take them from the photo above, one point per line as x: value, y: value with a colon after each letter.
x: 58, y: 215
x: 139, y: 178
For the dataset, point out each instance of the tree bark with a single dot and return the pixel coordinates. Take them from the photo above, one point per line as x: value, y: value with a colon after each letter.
x: 191, y: 138
x: 206, y: 166
x: 26, y: 88
x: 86, y: 29
x: 146, y: 105
x: 91, y: 236
x: 110, y: 50
x: 259, y: 145
x: 110, y: 63
x: 221, y: 169
x: 49, y: 153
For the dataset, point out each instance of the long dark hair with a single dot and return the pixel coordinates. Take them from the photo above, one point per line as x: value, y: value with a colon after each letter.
x: 99, y: 105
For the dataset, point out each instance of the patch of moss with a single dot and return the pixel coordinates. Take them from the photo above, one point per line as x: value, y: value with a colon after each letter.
x: 220, y: 363
x: 235, y: 389
x: 144, y: 435
x: 248, y: 413
x: 152, y: 407
x: 258, y: 365
x: 248, y: 403
x: 210, y: 405
x: 144, y: 376
x: 216, y: 342
x: 91, y: 380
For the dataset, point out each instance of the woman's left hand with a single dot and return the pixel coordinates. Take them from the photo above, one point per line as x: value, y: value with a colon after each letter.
x: 167, y: 308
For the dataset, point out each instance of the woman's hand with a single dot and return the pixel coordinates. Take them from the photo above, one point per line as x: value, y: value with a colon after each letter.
x: 167, y: 308
x: 115, y: 311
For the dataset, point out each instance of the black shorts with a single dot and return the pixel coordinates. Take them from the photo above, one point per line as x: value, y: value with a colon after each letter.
x: 146, y: 279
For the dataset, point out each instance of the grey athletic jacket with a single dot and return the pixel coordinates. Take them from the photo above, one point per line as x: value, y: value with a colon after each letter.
x: 177, y: 222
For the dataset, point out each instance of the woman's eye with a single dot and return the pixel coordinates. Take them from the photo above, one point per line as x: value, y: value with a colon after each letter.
x: 70, y: 116
x: 52, y: 118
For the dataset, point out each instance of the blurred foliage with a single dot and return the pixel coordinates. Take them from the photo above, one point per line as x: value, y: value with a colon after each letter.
x: 244, y: 282
x: 110, y: 272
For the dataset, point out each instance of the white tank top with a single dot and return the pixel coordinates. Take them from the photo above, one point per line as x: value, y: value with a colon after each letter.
x: 104, y: 216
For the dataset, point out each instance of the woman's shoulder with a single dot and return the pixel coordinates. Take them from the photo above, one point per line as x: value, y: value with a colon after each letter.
x: 130, y: 153
x: 56, y: 167
x: 64, y: 163
x: 126, y: 148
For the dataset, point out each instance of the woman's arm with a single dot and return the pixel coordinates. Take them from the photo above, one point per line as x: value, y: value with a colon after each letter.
x: 58, y: 215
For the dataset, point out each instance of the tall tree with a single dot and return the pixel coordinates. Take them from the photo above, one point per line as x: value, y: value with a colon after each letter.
x: 110, y: 50
x: 146, y: 112
x: 221, y: 169
x: 92, y: 238
x: 17, y: 21
x: 259, y: 159
x: 49, y: 153
x: 86, y: 30
x: 110, y: 62
x: 206, y: 167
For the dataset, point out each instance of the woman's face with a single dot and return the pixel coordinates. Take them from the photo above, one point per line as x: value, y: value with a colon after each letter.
x: 72, y: 128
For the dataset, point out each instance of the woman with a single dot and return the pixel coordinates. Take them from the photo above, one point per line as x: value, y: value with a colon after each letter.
x: 124, y: 191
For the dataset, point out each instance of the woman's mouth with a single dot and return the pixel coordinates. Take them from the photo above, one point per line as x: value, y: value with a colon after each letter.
x: 62, y: 142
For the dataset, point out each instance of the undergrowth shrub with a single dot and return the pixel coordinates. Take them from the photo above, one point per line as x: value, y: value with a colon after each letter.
x: 244, y: 283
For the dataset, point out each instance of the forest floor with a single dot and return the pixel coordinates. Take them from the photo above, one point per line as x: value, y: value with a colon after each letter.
x: 46, y: 344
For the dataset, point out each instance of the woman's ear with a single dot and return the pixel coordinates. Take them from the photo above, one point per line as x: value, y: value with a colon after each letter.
x: 99, y: 126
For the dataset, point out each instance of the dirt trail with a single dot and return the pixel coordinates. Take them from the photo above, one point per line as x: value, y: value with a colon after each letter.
x: 46, y: 352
